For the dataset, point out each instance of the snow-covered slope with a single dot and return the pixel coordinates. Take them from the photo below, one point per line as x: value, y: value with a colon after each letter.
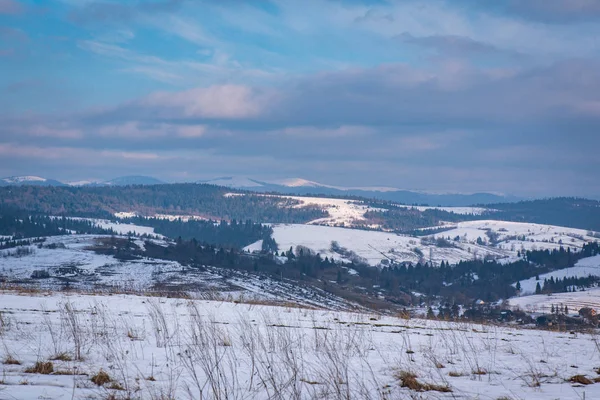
x: 583, y: 268
x: 196, y: 349
x: 460, y: 242
x: 372, y: 246
x: 29, y: 180
x: 542, y: 303
x: 70, y: 259
x: 515, y: 236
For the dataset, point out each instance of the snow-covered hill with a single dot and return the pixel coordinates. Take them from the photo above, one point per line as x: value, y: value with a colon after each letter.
x: 375, y: 247
x: 583, y: 268
x: 372, y: 246
x: 70, y: 259
x: 29, y: 180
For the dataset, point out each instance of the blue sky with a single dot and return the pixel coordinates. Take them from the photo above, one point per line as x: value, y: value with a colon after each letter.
x: 458, y: 95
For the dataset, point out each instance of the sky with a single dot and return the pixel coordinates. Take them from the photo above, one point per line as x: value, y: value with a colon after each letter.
x: 457, y: 95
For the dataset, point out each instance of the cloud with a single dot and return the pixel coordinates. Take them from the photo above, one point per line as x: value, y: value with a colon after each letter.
x: 10, y: 7
x: 342, y: 132
x: 557, y: 11
x: 108, y: 12
x: 137, y: 130
x: 545, y: 11
x: 454, y: 45
x: 214, y: 102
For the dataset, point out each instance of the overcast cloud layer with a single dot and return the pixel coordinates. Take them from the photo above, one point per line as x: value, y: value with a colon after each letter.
x: 459, y: 95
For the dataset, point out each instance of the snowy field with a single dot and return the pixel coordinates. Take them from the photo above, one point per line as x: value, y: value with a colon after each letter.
x: 583, y: 268
x: 542, y: 303
x: 455, y: 210
x: 120, y: 228
x: 375, y: 246
x: 532, y: 236
x: 69, y: 259
x: 341, y: 212
x: 157, y: 348
x: 372, y: 246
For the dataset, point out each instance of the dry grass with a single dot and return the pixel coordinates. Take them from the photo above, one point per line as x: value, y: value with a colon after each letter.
x: 116, y: 386
x: 62, y: 357
x: 409, y: 380
x: 40, y: 367
x: 10, y: 360
x: 455, y: 374
x: 581, y: 379
x: 101, y: 378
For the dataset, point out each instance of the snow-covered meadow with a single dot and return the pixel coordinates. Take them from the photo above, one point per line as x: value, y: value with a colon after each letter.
x: 158, y: 348
x: 372, y: 246
x: 375, y: 246
x: 542, y: 303
x: 583, y: 268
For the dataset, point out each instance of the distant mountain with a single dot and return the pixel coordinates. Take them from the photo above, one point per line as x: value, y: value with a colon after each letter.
x: 29, y: 180
x: 133, y: 180
x: 39, y: 181
x: 300, y: 186
x: 234, y: 182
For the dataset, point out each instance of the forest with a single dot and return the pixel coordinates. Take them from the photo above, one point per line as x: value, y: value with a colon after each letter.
x: 233, y: 234
x: 208, y: 201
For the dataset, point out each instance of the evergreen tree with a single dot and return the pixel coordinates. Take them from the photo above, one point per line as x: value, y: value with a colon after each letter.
x: 538, y: 288
x: 430, y: 313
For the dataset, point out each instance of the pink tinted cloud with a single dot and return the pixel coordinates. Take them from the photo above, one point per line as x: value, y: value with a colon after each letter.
x: 10, y: 7
x: 219, y: 101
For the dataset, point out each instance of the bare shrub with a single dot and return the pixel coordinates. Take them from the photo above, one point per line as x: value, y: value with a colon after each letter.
x: 72, y: 325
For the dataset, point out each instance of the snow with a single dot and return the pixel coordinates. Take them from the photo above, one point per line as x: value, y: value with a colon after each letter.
x: 342, y: 212
x: 184, y: 218
x: 122, y: 229
x: 583, y: 268
x: 455, y: 210
x: 253, y: 350
x: 20, y: 179
x: 69, y: 258
x: 124, y: 214
x: 369, y: 245
x: 537, y: 236
x: 543, y: 303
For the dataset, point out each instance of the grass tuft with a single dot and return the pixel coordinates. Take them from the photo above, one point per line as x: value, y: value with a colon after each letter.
x: 62, y: 357
x: 101, y: 378
x: 10, y: 360
x: 40, y: 367
x: 409, y: 380
x: 580, y: 379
